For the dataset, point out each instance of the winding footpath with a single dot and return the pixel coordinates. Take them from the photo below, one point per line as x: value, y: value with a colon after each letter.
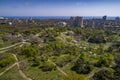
x: 1, y: 49
x: 95, y: 71
x: 20, y: 71
x: 18, y: 66
x: 58, y: 68
x: 20, y: 44
x: 7, y: 69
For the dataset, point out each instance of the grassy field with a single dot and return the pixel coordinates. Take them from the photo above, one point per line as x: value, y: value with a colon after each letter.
x: 37, y: 74
x: 12, y: 74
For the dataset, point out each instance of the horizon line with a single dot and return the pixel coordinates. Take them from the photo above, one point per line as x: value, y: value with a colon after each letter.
x: 57, y: 16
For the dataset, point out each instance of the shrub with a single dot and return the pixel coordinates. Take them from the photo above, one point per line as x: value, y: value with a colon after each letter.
x: 75, y: 76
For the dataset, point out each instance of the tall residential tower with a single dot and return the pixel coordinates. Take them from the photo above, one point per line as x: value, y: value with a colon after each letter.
x: 76, y: 21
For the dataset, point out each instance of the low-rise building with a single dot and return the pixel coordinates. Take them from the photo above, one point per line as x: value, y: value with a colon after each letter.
x: 62, y: 24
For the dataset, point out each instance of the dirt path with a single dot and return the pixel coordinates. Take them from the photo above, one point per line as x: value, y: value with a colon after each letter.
x: 11, y: 46
x: 90, y: 75
x: 7, y: 49
x: 58, y: 67
x: 3, y: 51
x: 20, y: 71
x: 18, y: 66
x: 7, y: 69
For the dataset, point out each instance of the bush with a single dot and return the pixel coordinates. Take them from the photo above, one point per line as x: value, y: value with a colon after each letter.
x: 6, y: 61
x: 104, y: 75
x: 105, y: 61
x: 47, y: 67
x: 83, y: 65
x: 30, y: 51
x: 97, y: 39
x: 75, y: 76
x: 36, y: 61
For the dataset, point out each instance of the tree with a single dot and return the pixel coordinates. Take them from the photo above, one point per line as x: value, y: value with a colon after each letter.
x: 47, y: 67
x: 30, y: 51
x: 104, y: 75
x: 6, y: 61
x: 36, y: 61
x: 83, y: 65
x: 97, y: 39
x: 106, y: 60
x: 117, y: 67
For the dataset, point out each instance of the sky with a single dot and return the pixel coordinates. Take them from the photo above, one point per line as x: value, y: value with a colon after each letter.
x: 59, y: 7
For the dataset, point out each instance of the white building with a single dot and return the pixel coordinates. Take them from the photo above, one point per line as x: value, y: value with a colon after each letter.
x: 62, y: 24
x: 10, y: 23
x: 1, y: 17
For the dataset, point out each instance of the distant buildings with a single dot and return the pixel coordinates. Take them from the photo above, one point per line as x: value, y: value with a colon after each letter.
x: 10, y: 23
x: 76, y: 21
x: 29, y: 20
x: 105, y: 17
x: 62, y: 24
x: 16, y: 21
x: 2, y: 20
x: 95, y: 22
x: 1, y: 17
x: 117, y: 22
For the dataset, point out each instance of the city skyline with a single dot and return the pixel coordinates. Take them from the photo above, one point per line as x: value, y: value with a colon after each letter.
x: 59, y: 7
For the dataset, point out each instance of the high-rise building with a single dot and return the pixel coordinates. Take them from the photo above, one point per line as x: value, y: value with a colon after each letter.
x: 105, y: 17
x: 76, y: 21
x: 93, y: 24
x: 117, y: 21
x: 104, y: 24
